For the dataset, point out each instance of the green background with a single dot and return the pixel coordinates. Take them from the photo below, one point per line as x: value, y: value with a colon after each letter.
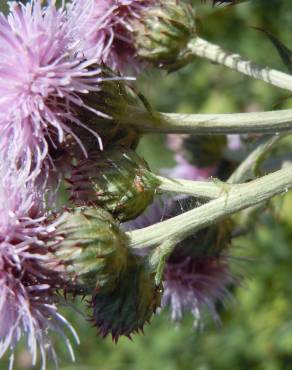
x: 256, y: 328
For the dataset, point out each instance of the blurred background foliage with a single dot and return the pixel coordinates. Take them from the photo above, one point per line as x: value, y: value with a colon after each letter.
x: 256, y: 328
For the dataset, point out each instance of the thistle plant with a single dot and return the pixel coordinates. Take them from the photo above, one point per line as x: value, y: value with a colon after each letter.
x: 129, y: 240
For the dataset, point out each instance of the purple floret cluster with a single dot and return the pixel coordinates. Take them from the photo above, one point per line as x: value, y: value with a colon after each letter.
x: 30, y: 275
x: 104, y: 30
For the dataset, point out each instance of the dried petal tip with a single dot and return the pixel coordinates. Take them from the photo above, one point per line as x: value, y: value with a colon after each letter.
x: 125, y: 310
x: 164, y: 32
x: 117, y: 180
x: 93, y: 249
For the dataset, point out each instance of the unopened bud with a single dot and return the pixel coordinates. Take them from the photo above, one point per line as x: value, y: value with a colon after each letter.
x: 103, y: 111
x: 93, y: 248
x: 117, y: 180
x: 163, y: 32
x: 131, y: 304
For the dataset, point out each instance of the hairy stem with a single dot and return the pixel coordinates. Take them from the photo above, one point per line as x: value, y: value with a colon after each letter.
x: 204, y: 49
x: 270, y: 122
x: 199, y: 189
x: 213, y: 189
x: 235, y: 199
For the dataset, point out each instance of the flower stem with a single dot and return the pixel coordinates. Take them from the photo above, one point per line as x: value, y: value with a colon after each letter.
x: 235, y: 199
x: 214, y: 188
x: 204, y: 49
x: 199, y: 189
x: 270, y: 122
x: 247, y: 169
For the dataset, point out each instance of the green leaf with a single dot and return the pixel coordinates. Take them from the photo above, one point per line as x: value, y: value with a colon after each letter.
x: 284, y: 52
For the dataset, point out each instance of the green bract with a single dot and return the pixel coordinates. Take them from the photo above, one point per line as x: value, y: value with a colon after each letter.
x: 125, y: 309
x: 108, y: 108
x: 165, y: 32
x: 117, y: 180
x: 93, y: 248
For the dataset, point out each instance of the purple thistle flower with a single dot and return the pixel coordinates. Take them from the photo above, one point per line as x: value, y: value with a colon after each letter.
x: 29, y: 274
x: 41, y: 81
x: 104, y: 30
x: 193, y: 284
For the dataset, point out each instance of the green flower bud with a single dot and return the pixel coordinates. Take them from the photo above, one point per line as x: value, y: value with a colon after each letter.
x: 111, y: 134
x: 113, y: 97
x: 164, y: 32
x: 93, y: 249
x: 125, y: 309
x: 117, y: 180
x: 110, y: 107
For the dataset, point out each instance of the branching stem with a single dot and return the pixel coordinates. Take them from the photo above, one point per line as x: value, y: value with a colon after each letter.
x: 199, y: 189
x: 237, y: 198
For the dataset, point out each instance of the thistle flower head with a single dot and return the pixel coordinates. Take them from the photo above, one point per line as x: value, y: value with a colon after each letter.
x: 193, y: 284
x: 163, y: 33
x: 93, y: 249
x: 41, y: 81
x: 117, y: 180
x: 104, y: 30
x: 125, y: 309
x: 197, y: 273
x: 29, y: 275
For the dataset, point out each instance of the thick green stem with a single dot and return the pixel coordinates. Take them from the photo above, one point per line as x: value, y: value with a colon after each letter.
x: 236, y: 199
x: 199, y: 189
x: 214, y: 188
x: 204, y: 49
x: 270, y: 122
